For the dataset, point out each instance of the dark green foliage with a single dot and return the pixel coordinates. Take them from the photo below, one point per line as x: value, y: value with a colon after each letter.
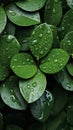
x: 36, y: 65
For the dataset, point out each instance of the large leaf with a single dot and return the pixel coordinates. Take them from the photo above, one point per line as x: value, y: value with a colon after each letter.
x: 23, y: 65
x: 31, y: 5
x: 33, y: 88
x: 10, y: 94
x: 41, y: 40
x: 3, y: 19
x: 20, y: 17
x: 53, y: 12
x: 41, y: 109
x: 54, y: 61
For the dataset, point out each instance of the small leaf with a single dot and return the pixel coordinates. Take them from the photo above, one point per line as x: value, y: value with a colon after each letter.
x: 67, y: 43
x: 9, y: 46
x: 41, y: 109
x: 66, y: 80
x: 31, y: 5
x: 60, y: 99
x: 41, y: 40
x: 23, y: 65
x: 3, y: 19
x: 53, y: 12
x: 13, y: 127
x: 54, y: 61
x: 10, y: 94
x: 20, y: 17
x: 33, y: 88
x: 69, y: 67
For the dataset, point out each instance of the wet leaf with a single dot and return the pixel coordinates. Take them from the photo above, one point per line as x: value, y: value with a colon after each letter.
x: 32, y: 89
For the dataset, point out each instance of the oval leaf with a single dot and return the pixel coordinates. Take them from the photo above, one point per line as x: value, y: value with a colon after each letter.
x: 66, y: 80
x: 53, y: 12
x: 54, y: 61
x: 67, y: 24
x: 3, y: 19
x: 67, y: 43
x: 31, y: 5
x: 69, y: 67
x: 20, y: 17
x: 41, y: 109
x: 41, y: 40
x: 10, y: 94
x: 23, y: 65
x: 33, y: 88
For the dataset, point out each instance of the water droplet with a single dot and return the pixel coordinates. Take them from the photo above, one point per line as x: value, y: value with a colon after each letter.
x: 34, y: 84
x: 53, y: 56
x: 56, y: 1
x: 32, y: 61
x: 9, y: 38
x: 13, y: 66
x: 23, y: 63
x: 28, y: 59
x: 13, y: 98
x: 41, y: 117
x: 41, y: 52
x: 34, y: 41
x: 44, y: 67
x: 55, y: 60
x: 54, y: 11
x: 15, y: 59
x: 7, y: 49
x: 12, y: 12
x: 19, y: 66
x: 48, y: 32
x: 11, y: 90
x: 33, y: 33
x: 68, y: 85
x: 28, y: 86
x: 36, y: 48
x: 40, y: 35
x: 32, y: 89
x: 46, y: 48
x: 62, y: 28
x: 4, y: 85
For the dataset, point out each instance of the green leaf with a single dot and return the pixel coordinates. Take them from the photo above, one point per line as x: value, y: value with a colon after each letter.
x: 69, y: 67
x: 60, y: 99
x: 13, y: 127
x: 23, y: 65
x: 20, y: 17
x: 9, y: 46
x: 54, y: 61
x: 1, y: 121
x: 55, y: 122
x: 10, y: 94
x: 41, y: 109
x: 4, y: 72
x: 33, y: 88
x: 70, y: 3
x: 66, y: 80
x: 67, y: 43
x: 31, y: 5
x: 53, y: 12
x: 41, y: 40
x: 67, y: 24
x: 3, y: 19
